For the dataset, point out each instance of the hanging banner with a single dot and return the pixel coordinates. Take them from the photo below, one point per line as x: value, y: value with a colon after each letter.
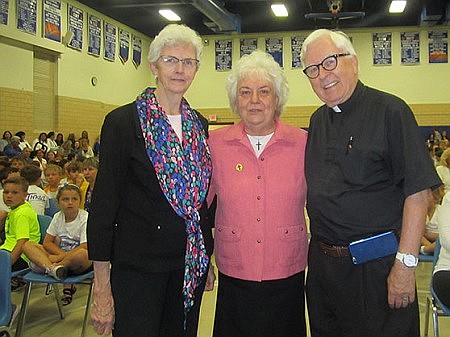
x: 26, y: 15
x: 137, y: 51
x: 274, y: 46
x: 4, y: 10
x: 438, y: 46
x: 124, y: 45
x: 94, y: 35
x: 410, y: 47
x: 296, y: 48
x: 109, y: 36
x: 52, y: 20
x: 382, y: 48
x: 247, y: 46
x: 75, y: 25
x: 224, y: 49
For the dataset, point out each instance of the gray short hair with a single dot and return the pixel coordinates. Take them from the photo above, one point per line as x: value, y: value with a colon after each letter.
x: 261, y: 64
x: 172, y: 35
x: 340, y: 40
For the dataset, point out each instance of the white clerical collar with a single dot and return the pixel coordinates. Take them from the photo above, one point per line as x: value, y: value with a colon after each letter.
x: 259, y: 142
x: 336, y: 109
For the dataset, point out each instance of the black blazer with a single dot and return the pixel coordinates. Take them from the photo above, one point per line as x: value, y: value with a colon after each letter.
x: 130, y: 222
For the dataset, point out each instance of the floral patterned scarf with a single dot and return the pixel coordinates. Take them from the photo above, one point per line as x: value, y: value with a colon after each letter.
x: 183, y: 170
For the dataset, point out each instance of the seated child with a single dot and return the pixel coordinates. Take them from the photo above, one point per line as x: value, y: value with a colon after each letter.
x: 36, y: 195
x: 90, y: 169
x: 65, y: 245
x: 21, y: 225
x: 75, y: 176
x: 53, y: 174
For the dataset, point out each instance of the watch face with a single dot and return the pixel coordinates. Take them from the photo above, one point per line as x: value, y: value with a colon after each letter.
x: 410, y: 260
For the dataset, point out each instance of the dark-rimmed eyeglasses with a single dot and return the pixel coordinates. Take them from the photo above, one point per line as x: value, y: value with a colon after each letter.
x: 173, y: 61
x: 329, y: 63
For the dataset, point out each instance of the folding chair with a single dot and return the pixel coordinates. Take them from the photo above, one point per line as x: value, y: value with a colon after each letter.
x: 32, y: 277
x: 433, y: 301
x: 6, y: 308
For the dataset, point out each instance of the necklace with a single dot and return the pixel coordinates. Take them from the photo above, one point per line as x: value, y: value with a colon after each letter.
x: 259, y: 142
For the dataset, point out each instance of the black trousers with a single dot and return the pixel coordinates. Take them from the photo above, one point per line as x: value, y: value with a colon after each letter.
x: 151, y: 304
x: 441, y: 286
x: 260, y: 309
x: 345, y: 300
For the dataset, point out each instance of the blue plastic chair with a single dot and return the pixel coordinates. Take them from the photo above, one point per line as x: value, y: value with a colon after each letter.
x: 53, y: 208
x: 6, y: 310
x: 433, y: 302
x: 32, y: 277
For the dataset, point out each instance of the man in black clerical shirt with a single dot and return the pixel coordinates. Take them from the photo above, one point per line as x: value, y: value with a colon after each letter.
x: 368, y: 173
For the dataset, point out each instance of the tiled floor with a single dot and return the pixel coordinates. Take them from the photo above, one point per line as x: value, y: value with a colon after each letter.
x: 43, y: 318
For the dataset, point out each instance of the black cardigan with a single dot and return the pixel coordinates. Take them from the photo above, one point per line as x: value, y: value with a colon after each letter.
x: 130, y: 222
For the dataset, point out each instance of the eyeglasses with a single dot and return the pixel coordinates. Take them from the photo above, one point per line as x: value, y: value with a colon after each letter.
x: 172, y: 62
x: 329, y: 63
x: 247, y: 93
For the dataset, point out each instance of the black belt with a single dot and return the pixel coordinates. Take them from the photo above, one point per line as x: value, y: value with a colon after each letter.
x: 334, y: 251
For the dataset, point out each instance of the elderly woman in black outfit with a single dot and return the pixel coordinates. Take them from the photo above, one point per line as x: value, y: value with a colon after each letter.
x: 147, y: 218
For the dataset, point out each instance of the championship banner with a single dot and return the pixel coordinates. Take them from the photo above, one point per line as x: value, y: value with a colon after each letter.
x: 26, y: 15
x: 75, y: 24
x: 109, y: 35
x: 296, y: 48
x: 4, y: 10
x: 274, y: 47
x: 124, y: 45
x: 410, y: 48
x: 224, y: 49
x: 438, y: 46
x: 94, y: 35
x: 382, y: 48
x: 247, y: 46
x: 52, y: 20
x: 137, y: 51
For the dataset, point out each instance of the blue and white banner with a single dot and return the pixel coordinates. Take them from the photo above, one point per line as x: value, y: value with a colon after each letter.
x: 26, y: 15
x: 274, y: 47
x: 296, y: 48
x: 52, y: 20
x: 124, y: 45
x: 247, y: 46
x: 94, y: 35
x: 382, y: 48
x: 137, y: 51
x: 109, y: 36
x: 224, y: 50
x: 75, y: 20
x: 4, y: 10
x: 410, y: 48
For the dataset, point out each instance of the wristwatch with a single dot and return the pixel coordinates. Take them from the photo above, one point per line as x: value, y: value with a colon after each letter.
x: 409, y: 260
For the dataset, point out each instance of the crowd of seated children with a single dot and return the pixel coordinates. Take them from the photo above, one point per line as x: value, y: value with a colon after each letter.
x: 64, y: 250
x: 21, y: 225
x: 36, y: 195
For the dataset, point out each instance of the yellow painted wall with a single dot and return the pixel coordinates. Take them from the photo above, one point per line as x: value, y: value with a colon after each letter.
x: 82, y: 106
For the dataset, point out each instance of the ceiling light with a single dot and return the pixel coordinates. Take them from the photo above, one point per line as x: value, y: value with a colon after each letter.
x: 279, y: 10
x: 397, y: 6
x: 169, y: 15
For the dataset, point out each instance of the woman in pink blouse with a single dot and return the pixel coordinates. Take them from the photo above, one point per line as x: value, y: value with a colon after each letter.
x: 260, y: 232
